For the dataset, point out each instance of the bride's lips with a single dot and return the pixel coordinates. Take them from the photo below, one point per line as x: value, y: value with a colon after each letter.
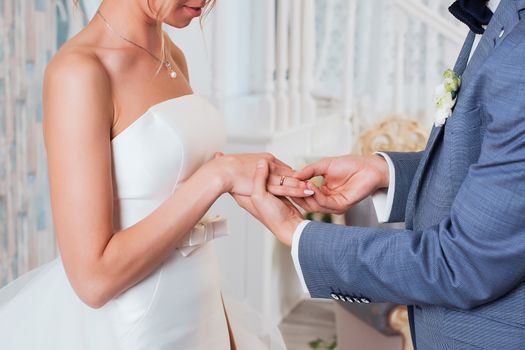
x: 193, y: 11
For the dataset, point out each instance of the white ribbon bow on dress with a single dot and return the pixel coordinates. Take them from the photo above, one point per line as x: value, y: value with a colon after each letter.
x: 204, y: 232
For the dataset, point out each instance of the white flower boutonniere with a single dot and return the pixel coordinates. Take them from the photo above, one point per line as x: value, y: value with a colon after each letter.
x: 445, y: 96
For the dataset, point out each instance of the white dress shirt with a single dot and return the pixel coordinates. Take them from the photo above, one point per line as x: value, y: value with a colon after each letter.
x: 382, y: 200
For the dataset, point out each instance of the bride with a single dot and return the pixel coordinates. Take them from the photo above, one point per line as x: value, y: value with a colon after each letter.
x: 129, y: 197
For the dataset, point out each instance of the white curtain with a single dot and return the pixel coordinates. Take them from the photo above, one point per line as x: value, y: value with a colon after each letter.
x: 27, y: 41
x: 398, y: 57
x: 30, y: 32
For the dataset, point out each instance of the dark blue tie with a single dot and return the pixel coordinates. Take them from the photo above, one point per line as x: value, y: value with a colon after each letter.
x: 474, y: 13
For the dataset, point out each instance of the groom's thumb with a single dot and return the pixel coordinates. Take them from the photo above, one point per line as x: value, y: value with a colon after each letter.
x: 260, y: 179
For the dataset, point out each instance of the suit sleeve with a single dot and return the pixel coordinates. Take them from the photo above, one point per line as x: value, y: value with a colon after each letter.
x: 383, y: 200
x: 472, y: 256
x: 405, y: 167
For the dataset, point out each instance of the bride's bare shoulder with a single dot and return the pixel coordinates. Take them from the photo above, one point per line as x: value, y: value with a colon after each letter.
x: 76, y: 66
x: 76, y: 88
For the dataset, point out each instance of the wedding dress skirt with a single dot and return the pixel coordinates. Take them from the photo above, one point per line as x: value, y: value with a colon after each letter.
x: 179, y: 305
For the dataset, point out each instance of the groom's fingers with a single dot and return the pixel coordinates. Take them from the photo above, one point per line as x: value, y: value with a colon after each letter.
x: 313, y: 170
x: 303, y: 204
x: 334, y: 202
x: 314, y: 206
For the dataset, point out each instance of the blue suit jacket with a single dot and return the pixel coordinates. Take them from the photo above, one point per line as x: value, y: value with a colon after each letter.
x: 461, y: 259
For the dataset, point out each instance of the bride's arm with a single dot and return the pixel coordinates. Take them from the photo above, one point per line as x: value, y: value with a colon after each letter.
x: 78, y: 115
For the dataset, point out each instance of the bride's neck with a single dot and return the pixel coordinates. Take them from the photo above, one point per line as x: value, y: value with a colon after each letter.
x: 131, y: 20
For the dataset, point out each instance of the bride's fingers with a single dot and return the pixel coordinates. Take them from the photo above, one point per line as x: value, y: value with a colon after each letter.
x: 295, y: 192
x: 286, y: 181
x: 279, y: 168
x: 288, y: 187
x: 281, y: 163
x: 282, y: 171
x: 246, y: 203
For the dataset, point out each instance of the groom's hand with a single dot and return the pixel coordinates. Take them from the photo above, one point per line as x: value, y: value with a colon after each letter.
x: 278, y: 214
x: 347, y: 181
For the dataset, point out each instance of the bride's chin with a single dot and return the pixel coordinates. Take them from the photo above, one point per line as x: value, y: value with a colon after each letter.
x: 178, y: 22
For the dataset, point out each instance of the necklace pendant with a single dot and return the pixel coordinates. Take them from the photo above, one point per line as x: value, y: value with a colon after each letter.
x: 169, y: 67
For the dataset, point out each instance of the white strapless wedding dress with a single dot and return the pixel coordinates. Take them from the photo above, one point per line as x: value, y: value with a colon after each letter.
x: 179, y: 306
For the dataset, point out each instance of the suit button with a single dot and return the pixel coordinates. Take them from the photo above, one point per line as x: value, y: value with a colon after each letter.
x: 334, y: 296
x: 349, y: 299
x: 357, y: 300
x: 365, y: 300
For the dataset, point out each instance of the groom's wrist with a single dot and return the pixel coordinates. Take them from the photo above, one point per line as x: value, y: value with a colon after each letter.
x: 381, y: 164
x: 295, y: 253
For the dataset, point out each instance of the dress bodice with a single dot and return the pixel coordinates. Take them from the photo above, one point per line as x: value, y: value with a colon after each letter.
x: 151, y: 158
x: 179, y: 305
x: 159, y: 151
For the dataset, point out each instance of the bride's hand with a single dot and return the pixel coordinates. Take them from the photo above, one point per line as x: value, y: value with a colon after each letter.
x: 237, y: 171
x: 278, y: 214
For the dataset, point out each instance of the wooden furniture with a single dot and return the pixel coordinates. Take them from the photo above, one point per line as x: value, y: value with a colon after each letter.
x: 355, y: 334
x: 394, y: 134
x: 398, y: 320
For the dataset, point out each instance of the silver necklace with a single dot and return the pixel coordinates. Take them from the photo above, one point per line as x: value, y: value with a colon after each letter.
x: 166, y: 63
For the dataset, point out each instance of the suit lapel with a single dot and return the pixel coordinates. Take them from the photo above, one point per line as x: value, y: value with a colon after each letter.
x: 461, y: 64
x: 501, y: 25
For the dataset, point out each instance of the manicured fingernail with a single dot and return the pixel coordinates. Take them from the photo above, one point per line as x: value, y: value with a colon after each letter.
x: 309, y: 192
x: 260, y: 164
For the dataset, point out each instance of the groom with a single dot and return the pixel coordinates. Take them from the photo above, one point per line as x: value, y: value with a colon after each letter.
x: 460, y: 262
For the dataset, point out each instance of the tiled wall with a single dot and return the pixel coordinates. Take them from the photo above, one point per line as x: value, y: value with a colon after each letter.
x: 27, y: 41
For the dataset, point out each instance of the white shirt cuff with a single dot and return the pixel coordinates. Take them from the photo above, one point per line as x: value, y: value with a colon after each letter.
x: 295, y: 253
x: 383, y: 200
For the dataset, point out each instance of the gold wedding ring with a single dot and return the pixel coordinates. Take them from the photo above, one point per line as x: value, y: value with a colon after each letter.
x: 282, y: 180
